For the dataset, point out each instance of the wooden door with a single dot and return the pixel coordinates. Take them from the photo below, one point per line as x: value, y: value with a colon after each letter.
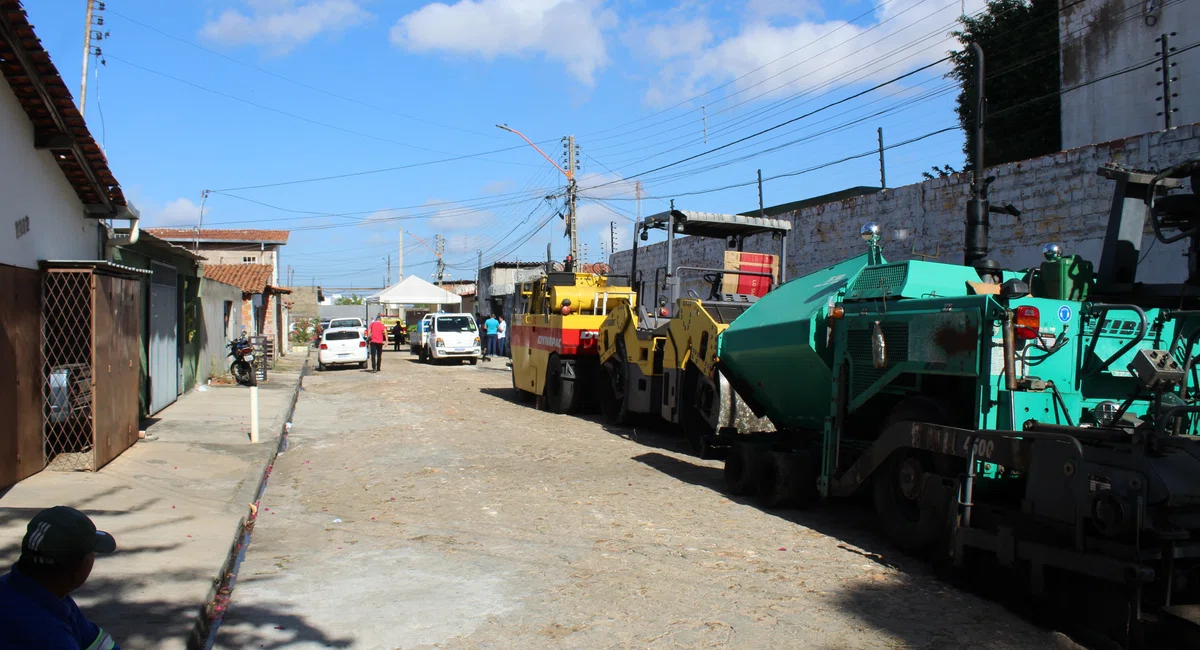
x: 115, y: 368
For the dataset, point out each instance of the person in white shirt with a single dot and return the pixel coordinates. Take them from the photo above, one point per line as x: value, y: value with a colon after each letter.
x: 502, y: 337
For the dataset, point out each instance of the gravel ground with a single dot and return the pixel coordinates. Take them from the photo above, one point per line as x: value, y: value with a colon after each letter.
x: 425, y: 507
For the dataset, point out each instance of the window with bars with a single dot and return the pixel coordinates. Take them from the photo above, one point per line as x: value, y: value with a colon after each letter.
x: 249, y: 259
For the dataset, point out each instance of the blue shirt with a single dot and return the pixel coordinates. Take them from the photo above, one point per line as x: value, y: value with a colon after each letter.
x: 490, y: 325
x: 32, y: 617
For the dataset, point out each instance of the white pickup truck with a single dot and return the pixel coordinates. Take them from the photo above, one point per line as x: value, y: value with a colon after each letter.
x: 450, y: 337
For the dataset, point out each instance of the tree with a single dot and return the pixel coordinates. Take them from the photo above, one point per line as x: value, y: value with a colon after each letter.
x: 349, y: 300
x: 1021, y: 80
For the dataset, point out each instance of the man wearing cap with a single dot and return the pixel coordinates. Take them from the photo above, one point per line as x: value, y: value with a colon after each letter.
x: 36, y: 609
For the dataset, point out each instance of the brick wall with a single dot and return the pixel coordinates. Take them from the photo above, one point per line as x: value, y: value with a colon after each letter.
x: 1060, y: 197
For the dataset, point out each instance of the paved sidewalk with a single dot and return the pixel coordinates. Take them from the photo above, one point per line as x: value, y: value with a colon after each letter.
x: 175, y: 503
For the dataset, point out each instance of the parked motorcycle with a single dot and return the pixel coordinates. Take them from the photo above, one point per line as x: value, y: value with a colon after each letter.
x: 242, y: 367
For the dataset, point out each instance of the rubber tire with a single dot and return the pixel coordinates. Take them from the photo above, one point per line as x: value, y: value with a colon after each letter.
x: 559, y: 396
x: 473, y: 361
x: 362, y: 365
x: 743, y: 464
x: 787, y: 480
x: 695, y: 428
x: 320, y: 367
x: 911, y: 530
x: 614, y: 409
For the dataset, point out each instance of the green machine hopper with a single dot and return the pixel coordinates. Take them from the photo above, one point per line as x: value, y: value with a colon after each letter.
x: 777, y: 355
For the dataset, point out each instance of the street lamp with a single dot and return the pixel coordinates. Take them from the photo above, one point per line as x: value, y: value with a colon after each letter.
x: 569, y: 172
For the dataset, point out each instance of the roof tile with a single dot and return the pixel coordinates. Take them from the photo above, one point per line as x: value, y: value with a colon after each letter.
x: 219, y: 234
x: 250, y: 278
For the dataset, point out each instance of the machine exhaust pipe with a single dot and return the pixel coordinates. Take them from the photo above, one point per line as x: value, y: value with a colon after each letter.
x: 975, y: 247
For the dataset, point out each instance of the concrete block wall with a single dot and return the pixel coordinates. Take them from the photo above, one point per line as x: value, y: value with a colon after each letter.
x: 1060, y: 196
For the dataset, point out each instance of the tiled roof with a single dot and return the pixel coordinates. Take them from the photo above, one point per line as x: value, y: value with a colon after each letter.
x: 222, y: 235
x: 250, y: 278
x: 58, y: 127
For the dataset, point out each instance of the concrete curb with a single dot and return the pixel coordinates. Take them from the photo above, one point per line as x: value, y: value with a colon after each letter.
x: 203, y: 633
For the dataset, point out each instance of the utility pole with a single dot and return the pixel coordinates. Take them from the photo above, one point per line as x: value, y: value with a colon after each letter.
x: 478, y: 279
x: 87, y: 54
x: 1165, y: 67
x: 388, y: 283
x: 400, y: 259
x: 572, y: 165
x: 572, y: 226
x: 882, y: 174
x: 441, y: 264
x: 761, y: 213
x: 612, y: 238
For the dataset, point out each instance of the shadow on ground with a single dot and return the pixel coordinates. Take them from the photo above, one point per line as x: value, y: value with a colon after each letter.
x: 136, y: 623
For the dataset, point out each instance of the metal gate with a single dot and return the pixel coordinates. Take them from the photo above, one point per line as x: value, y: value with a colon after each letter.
x: 163, y: 369
x: 89, y: 363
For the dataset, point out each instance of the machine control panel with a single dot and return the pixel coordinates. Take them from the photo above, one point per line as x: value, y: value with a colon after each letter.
x: 1156, y: 368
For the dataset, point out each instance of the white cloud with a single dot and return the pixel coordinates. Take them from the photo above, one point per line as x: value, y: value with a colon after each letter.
x: 177, y: 212
x: 570, y: 31
x: 496, y: 187
x: 281, y: 25
x: 675, y: 39
x: 784, y: 8
x: 802, y: 53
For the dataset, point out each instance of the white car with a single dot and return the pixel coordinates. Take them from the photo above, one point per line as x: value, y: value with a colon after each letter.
x: 452, y: 336
x: 356, y: 323
x: 342, y: 346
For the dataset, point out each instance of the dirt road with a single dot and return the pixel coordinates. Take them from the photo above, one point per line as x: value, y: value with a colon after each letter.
x: 424, y: 507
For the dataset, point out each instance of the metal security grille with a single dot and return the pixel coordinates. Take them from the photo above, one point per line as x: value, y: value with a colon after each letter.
x: 863, y: 373
x: 879, y: 281
x: 67, y: 386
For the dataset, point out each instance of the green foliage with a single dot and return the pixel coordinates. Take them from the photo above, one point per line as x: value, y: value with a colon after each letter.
x: 349, y: 300
x: 1021, y: 80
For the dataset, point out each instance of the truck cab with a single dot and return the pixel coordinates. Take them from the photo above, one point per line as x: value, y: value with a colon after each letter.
x: 450, y: 337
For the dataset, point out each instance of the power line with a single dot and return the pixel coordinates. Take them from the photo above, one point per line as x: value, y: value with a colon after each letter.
x: 780, y: 125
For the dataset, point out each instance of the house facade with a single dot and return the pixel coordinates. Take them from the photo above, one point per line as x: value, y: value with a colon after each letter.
x: 262, y: 309
x: 68, y: 317
x: 225, y: 246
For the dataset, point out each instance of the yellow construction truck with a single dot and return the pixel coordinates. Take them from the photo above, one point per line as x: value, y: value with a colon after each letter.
x: 553, y: 339
x: 658, y: 355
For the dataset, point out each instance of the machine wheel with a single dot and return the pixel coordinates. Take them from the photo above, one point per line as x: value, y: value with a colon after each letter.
x: 243, y: 373
x: 362, y: 365
x: 695, y: 427
x: 743, y: 465
x: 559, y: 395
x: 614, y: 404
x: 473, y: 361
x: 911, y: 515
x: 787, y: 480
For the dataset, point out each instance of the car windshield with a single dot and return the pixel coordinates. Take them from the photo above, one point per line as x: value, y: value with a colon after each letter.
x: 456, y: 324
x: 345, y: 322
x: 341, y: 335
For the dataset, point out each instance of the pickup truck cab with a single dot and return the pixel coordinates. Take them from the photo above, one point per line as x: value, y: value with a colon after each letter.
x: 451, y: 336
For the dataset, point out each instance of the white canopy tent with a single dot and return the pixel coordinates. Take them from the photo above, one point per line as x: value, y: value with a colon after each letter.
x: 415, y: 291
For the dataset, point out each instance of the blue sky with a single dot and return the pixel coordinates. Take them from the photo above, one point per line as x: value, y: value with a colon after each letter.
x: 230, y: 95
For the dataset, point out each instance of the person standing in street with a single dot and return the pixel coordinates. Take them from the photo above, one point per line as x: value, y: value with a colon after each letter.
x: 377, y: 336
x: 502, y: 336
x: 57, y: 555
x: 491, y: 326
x: 397, y: 334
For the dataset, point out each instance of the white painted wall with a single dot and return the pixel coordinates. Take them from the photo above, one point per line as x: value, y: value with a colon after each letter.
x: 1102, y: 37
x: 31, y: 184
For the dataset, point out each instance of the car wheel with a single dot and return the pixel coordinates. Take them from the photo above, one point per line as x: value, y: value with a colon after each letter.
x: 473, y: 361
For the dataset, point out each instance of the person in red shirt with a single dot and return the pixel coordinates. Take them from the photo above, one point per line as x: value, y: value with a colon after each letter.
x: 377, y: 336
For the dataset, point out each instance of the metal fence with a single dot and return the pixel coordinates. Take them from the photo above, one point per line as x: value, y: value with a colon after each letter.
x: 67, y: 389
